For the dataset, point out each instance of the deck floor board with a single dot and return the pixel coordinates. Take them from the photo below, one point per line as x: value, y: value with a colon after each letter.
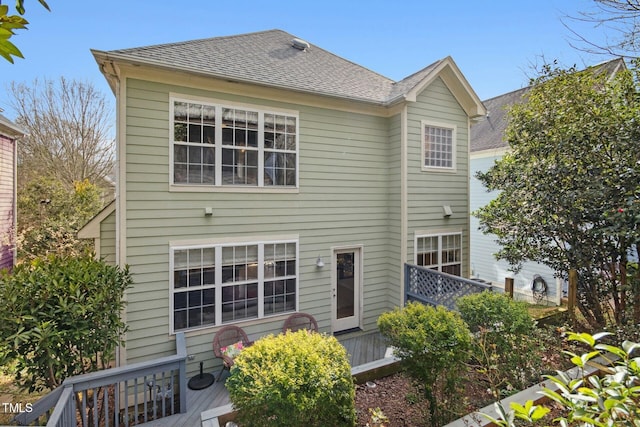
x: 362, y: 349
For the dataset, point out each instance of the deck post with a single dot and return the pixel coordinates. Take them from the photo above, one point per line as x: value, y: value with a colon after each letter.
x: 508, y: 286
x: 573, y: 290
x: 181, y: 349
x: 406, y: 283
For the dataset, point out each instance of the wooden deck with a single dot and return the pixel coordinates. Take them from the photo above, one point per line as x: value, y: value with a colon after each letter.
x: 362, y: 349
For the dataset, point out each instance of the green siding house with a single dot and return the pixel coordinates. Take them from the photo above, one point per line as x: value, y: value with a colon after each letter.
x: 260, y: 175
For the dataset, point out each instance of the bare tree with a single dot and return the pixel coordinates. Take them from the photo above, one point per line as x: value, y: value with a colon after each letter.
x: 617, y: 20
x: 69, y: 126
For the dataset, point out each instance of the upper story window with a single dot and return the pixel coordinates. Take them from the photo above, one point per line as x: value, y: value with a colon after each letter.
x: 438, y: 146
x: 224, y: 283
x: 223, y: 145
x: 441, y: 252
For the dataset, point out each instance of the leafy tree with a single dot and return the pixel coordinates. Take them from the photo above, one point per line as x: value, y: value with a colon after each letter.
x: 59, y: 317
x: 10, y: 23
x: 569, y: 186
x: 68, y: 125
x: 50, y: 215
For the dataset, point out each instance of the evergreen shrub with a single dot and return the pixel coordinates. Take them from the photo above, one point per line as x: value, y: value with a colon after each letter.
x: 295, y: 379
x: 433, y: 344
x: 506, y: 345
x: 59, y: 317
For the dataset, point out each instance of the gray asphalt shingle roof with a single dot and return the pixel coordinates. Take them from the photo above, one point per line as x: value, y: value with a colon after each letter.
x: 488, y: 133
x: 269, y: 58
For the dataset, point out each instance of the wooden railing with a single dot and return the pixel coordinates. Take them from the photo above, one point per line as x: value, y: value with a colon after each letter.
x: 433, y: 287
x: 123, y: 396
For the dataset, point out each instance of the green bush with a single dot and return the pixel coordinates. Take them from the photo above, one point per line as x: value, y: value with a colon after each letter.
x: 506, y: 344
x: 609, y: 399
x: 433, y: 344
x: 59, y: 317
x: 293, y: 379
x: 495, y: 312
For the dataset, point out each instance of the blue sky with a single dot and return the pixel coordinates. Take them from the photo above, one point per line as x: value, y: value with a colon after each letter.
x: 496, y: 43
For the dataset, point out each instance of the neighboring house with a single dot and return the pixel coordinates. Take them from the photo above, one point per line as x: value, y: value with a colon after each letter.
x: 487, y: 146
x: 9, y: 134
x: 259, y: 175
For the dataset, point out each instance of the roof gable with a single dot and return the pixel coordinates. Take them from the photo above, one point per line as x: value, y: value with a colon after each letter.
x: 91, y: 230
x: 270, y: 58
x: 448, y: 71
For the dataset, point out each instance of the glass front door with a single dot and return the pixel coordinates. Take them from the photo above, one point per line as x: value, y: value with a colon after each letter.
x: 346, y: 289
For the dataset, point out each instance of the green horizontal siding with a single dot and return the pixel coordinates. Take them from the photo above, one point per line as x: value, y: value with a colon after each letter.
x: 343, y: 199
x: 428, y: 191
x: 350, y: 179
x: 108, y: 239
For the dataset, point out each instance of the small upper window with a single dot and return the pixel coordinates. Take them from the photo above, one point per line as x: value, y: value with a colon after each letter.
x: 438, y: 147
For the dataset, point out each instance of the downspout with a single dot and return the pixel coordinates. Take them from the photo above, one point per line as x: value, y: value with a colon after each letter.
x: 111, y: 72
x: 121, y: 254
x: 468, y: 223
x: 404, y: 226
x: 14, y: 226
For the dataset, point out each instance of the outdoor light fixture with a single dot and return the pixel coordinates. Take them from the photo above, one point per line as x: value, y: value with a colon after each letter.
x: 319, y: 262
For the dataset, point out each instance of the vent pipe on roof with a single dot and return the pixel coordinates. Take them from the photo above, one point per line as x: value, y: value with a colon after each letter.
x: 300, y: 44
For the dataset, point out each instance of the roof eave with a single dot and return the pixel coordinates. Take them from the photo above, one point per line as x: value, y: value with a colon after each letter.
x: 108, y: 60
x: 10, y: 129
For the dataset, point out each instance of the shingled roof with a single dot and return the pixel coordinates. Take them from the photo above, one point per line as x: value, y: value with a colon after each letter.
x: 488, y: 133
x: 269, y: 58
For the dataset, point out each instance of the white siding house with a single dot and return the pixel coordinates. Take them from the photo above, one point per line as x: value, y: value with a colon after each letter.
x: 487, y: 146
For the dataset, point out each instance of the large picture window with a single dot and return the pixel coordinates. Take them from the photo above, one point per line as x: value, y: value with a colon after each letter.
x: 441, y: 252
x: 438, y: 147
x: 218, y: 145
x: 224, y: 283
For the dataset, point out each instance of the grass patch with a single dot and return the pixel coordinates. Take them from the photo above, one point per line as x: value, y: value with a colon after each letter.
x: 538, y: 311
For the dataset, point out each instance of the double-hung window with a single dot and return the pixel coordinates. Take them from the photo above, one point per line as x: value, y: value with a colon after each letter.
x: 438, y: 146
x: 218, y: 145
x: 441, y: 252
x: 214, y: 284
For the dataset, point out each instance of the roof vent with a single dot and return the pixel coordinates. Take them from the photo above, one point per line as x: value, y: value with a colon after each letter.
x: 300, y: 44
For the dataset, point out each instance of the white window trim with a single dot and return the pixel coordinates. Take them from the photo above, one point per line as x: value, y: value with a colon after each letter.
x: 454, y: 132
x: 218, y: 244
x: 218, y: 186
x: 438, y: 234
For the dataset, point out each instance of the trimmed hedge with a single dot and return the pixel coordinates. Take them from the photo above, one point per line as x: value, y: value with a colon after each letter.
x: 293, y: 379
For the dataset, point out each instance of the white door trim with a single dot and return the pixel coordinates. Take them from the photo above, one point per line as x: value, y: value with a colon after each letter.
x: 355, y: 321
